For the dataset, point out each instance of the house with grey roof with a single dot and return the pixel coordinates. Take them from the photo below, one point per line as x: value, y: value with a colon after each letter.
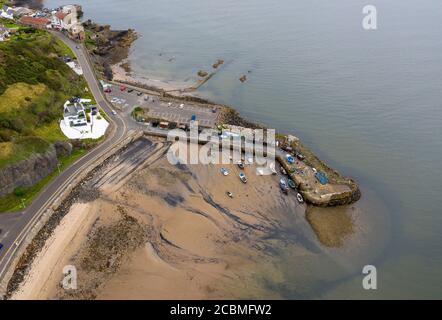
x: 7, y: 12
x: 74, y: 114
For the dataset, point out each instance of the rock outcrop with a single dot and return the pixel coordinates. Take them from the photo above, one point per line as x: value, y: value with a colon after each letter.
x: 27, y: 172
x: 63, y: 148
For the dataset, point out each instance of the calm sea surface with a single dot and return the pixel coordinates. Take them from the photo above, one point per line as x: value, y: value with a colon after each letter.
x: 367, y: 102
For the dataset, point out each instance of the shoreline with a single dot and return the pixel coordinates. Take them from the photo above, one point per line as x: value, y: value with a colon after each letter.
x: 171, y: 188
x: 230, y: 116
x: 343, y: 191
x: 122, y: 74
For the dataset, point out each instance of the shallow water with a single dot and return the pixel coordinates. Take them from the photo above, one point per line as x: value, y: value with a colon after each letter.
x: 369, y: 103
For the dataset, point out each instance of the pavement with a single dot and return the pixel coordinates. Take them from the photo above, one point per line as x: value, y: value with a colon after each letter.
x: 15, y: 226
x: 180, y: 112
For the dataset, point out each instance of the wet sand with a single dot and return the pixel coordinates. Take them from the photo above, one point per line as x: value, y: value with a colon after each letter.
x: 163, y: 231
x: 122, y: 75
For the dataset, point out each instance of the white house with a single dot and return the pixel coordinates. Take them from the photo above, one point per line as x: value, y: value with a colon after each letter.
x: 74, y: 113
x: 75, y: 124
x: 6, y: 13
x: 64, y: 18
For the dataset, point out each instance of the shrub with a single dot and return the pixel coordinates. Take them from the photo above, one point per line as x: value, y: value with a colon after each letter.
x: 19, y: 192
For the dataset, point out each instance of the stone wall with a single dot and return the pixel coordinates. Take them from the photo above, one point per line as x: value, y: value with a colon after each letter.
x: 27, y: 172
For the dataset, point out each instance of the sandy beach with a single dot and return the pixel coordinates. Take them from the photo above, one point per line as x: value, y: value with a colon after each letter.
x: 122, y: 75
x: 153, y: 230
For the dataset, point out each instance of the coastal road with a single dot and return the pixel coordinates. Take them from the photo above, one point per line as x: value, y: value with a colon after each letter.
x: 16, y: 226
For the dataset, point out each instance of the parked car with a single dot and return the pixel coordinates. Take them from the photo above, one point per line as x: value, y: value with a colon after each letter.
x: 130, y: 90
x: 1, y: 246
x: 122, y: 88
x: 139, y: 94
x: 113, y: 112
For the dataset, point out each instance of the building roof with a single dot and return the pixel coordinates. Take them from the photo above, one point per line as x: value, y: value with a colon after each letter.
x: 34, y: 21
x: 61, y: 15
x: 72, y: 109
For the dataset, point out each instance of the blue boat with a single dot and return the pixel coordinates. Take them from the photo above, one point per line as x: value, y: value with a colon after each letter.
x: 290, y: 159
x: 322, y: 178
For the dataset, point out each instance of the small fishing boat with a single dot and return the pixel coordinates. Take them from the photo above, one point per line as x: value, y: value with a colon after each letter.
x: 243, y: 177
x: 292, y: 184
x: 300, y: 198
x: 290, y: 158
x: 241, y: 165
x: 229, y: 194
x: 283, y: 186
x: 272, y: 168
x: 224, y: 172
x: 283, y: 171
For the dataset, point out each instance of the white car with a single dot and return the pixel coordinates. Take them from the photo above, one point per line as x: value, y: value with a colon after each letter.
x: 113, y: 112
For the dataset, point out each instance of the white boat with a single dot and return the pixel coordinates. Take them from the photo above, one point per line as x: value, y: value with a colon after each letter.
x: 283, y: 186
x: 224, y: 172
x: 272, y: 168
x: 243, y: 177
x: 300, y: 198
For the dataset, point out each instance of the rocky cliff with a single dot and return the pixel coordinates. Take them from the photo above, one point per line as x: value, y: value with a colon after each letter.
x: 28, y: 172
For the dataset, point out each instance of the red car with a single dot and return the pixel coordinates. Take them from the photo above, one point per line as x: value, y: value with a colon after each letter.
x: 108, y: 90
x: 123, y: 88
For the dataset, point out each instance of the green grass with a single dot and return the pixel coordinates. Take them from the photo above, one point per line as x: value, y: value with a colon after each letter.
x: 13, y: 201
x: 34, y: 84
x: 21, y: 149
